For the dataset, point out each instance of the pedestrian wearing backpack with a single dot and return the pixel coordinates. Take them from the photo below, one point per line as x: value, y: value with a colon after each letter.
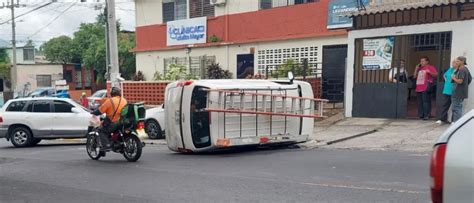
x: 461, y: 79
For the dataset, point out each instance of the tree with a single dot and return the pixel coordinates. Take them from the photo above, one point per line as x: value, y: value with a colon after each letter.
x: 5, y: 67
x: 126, y: 57
x: 29, y: 43
x: 59, y: 50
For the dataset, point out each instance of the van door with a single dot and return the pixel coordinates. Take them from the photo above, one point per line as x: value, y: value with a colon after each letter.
x: 173, y: 111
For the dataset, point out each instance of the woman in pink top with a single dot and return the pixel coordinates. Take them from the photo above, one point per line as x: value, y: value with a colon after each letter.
x: 425, y: 75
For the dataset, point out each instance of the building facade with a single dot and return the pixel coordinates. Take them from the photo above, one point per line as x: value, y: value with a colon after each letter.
x: 243, y: 36
x: 411, y: 29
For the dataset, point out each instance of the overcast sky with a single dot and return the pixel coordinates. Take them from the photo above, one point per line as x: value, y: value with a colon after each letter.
x: 69, y: 15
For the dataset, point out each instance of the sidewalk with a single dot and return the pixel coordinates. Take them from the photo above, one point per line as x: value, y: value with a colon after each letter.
x: 375, y: 134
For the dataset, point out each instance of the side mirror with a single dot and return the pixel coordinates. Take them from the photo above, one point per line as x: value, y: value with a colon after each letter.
x: 75, y: 110
x: 291, y: 77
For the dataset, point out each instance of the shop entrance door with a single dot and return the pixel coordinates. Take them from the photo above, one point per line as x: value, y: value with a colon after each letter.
x: 376, y: 95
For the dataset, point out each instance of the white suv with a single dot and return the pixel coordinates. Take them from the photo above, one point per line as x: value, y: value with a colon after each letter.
x: 26, y: 121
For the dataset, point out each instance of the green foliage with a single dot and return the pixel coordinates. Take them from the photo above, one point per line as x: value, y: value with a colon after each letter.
x: 88, y: 45
x: 290, y: 65
x: 5, y: 67
x: 3, y: 56
x: 59, y: 49
x: 29, y: 43
x: 126, y: 57
x: 214, y: 71
x: 214, y: 38
x: 175, y: 72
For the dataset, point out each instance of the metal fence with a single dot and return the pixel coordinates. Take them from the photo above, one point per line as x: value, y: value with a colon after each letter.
x: 196, y: 65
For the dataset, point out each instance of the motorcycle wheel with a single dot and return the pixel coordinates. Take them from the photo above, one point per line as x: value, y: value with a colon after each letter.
x: 132, y: 148
x: 93, y: 146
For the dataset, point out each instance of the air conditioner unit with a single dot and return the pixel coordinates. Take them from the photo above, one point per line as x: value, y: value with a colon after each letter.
x: 217, y: 2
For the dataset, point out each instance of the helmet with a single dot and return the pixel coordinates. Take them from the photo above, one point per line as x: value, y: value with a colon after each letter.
x: 83, y: 94
x: 116, y: 91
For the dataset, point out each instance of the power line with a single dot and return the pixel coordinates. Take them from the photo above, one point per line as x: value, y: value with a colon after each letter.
x: 41, y: 29
x: 28, y: 12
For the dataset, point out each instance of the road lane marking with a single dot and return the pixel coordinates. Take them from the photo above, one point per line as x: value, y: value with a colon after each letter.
x: 365, y: 188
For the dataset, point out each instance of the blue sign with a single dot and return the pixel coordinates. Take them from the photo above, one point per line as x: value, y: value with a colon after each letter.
x: 337, y: 11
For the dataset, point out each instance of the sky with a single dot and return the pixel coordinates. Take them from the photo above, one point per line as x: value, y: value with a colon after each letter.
x: 56, y: 19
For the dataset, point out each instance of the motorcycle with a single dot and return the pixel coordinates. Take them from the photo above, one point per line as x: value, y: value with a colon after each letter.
x: 125, y: 140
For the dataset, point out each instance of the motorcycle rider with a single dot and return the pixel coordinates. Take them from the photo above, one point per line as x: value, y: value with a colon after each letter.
x: 112, y: 107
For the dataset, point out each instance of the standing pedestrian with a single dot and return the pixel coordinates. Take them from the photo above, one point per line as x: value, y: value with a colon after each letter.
x: 425, y: 75
x: 84, y: 100
x: 447, y: 92
x: 398, y: 74
x: 461, y: 79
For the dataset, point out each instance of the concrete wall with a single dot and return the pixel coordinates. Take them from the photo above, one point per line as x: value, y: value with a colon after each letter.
x: 462, y: 45
x: 237, y: 6
x: 150, y: 62
x: 19, y: 56
x: 148, y: 12
x: 27, y: 73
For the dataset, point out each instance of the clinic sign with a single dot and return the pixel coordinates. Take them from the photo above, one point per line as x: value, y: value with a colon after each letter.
x: 188, y: 31
x: 377, y: 53
x: 338, y: 11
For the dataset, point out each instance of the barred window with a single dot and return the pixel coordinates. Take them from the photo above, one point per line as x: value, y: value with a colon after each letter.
x: 197, y: 65
x: 200, y: 8
x: 174, y: 10
x: 43, y: 80
x: 267, y: 4
x: 28, y: 54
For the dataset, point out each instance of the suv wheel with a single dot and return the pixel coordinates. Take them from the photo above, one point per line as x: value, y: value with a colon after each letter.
x: 21, y: 137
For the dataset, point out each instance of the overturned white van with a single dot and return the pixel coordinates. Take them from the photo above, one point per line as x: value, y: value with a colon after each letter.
x: 206, y: 115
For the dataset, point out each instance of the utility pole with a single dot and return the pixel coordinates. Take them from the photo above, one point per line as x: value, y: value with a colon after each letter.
x: 13, y: 71
x: 113, y: 44
x: 107, y: 52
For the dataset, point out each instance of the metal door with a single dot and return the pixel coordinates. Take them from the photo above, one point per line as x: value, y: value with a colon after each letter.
x: 334, y: 68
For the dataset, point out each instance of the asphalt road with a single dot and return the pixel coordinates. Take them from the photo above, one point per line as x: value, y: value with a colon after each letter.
x: 64, y: 173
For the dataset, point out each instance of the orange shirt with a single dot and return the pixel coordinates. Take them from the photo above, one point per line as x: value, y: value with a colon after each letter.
x: 107, y: 108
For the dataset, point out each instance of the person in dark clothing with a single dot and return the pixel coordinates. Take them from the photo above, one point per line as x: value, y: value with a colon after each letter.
x: 461, y: 79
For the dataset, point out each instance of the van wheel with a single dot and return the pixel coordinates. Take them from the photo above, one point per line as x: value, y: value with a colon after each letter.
x: 21, y: 137
x: 153, y: 130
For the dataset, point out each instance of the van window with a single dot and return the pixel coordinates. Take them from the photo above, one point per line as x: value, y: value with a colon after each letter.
x: 16, y: 106
x: 200, y: 130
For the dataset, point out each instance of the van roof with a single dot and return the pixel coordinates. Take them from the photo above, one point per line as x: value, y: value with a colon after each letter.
x: 240, y: 83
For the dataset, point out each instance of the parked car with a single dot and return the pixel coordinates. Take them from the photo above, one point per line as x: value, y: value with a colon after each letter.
x: 452, y: 163
x: 49, y: 92
x: 96, y: 98
x: 25, y: 122
x: 42, y: 92
x: 62, y: 94
x: 155, y: 122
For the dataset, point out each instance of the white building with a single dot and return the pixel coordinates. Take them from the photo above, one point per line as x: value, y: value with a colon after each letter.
x: 243, y: 36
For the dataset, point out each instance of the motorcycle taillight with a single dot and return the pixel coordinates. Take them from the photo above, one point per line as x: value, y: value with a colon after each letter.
x: 141, y: 125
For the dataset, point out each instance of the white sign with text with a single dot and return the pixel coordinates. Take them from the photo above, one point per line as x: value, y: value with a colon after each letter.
x: 188, y: 31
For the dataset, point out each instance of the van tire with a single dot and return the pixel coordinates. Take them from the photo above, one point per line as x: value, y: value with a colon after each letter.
x: 21, y: 137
